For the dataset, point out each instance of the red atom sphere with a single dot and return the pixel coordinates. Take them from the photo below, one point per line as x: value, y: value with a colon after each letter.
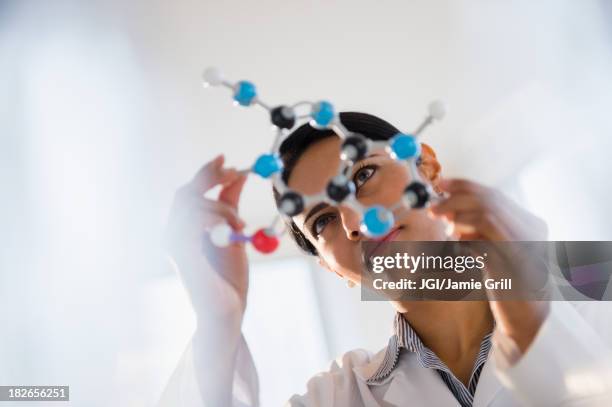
x: 263, y: 242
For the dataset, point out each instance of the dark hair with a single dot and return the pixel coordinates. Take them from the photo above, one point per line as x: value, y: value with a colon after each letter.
x: 304, y: 136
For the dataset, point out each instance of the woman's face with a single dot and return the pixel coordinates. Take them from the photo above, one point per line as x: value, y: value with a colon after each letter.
x: 334, y: 231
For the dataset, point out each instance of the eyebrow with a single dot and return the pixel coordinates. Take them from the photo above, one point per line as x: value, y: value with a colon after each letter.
x: 317, y: 208
x: 373, y: 155
x: 322, y: 205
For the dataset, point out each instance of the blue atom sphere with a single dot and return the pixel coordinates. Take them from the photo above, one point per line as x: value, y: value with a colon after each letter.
x: 323, y: 113
x: 267, y: 164
x: 404, y: 146
x: 377, y: 221
x: 245, y: 93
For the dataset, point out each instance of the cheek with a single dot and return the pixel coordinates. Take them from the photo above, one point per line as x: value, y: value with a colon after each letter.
x: 386, y: 186
x: 343, y: 257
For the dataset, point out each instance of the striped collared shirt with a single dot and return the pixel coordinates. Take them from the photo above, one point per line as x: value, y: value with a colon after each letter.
x: 405, y: 337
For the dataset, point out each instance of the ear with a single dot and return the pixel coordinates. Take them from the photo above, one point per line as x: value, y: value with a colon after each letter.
x: 429, y: 166
x: 326, y: 266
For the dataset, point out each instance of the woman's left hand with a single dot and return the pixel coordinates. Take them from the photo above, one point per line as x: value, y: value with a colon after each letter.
x: 482, y: 213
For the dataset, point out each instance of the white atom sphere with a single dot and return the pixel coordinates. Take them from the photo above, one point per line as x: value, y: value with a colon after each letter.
x: 220, y: 235
x: 437, y: 109
x: 339, y: 180
x: 213, y: 76
x: 287, y: 112
x: 287, y: 206
x: 411, y: 198
x: 349, y: 153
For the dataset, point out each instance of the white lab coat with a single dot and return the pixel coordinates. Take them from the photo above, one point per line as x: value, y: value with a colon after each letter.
x: 569, y: 363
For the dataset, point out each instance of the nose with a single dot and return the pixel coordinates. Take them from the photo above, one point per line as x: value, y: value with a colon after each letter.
x: 350, y: 222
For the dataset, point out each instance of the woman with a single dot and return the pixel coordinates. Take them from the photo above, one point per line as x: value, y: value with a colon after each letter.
x: 442, y: 353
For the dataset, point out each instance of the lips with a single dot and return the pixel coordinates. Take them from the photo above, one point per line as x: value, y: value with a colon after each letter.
x: 380, y: 241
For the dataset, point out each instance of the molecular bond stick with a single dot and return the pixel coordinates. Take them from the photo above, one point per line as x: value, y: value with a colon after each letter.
x: 376, y: 220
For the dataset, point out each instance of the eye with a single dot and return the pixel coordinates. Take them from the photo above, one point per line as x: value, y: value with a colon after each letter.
x: 318, y: 226
x: 363, y: 175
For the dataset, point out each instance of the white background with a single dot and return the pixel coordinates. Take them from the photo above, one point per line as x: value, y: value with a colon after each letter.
x: 102, y: 117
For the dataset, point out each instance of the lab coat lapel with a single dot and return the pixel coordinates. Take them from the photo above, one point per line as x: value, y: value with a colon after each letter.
x: 488, y: 384
x: 363, y: 373
x: 412, y: 386
x: 417, y: 386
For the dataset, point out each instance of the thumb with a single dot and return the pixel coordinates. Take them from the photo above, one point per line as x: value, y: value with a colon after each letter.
x: 230, y: 193
x: 445, y: 184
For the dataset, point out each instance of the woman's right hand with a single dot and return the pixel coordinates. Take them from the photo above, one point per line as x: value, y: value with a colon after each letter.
x: 188, y: 243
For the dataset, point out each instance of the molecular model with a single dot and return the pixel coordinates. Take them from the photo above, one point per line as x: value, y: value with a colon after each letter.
x: 376, y: 220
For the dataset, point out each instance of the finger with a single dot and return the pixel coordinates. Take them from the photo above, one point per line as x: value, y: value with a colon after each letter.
x: 465, y: 223
x: 220, y: 209
x: 478, y: 223
x: 204, y: 213
x: 209, y: 221
x: 455, y: 185
x: 471, y: 236
x: 230, y: 194
x: 212, y: 174
x: 456, y: 203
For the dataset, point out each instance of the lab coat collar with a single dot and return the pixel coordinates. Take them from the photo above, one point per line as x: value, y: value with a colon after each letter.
x: 419, y: 376
x: 367, y: 370
x: 405, y: 337
x: 421, y: 386
x: 488, y: 384
x: 416, y: 385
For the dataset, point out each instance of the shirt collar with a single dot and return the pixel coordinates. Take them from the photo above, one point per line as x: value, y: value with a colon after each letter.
x: 398, y: 340
x: 404, y: 337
